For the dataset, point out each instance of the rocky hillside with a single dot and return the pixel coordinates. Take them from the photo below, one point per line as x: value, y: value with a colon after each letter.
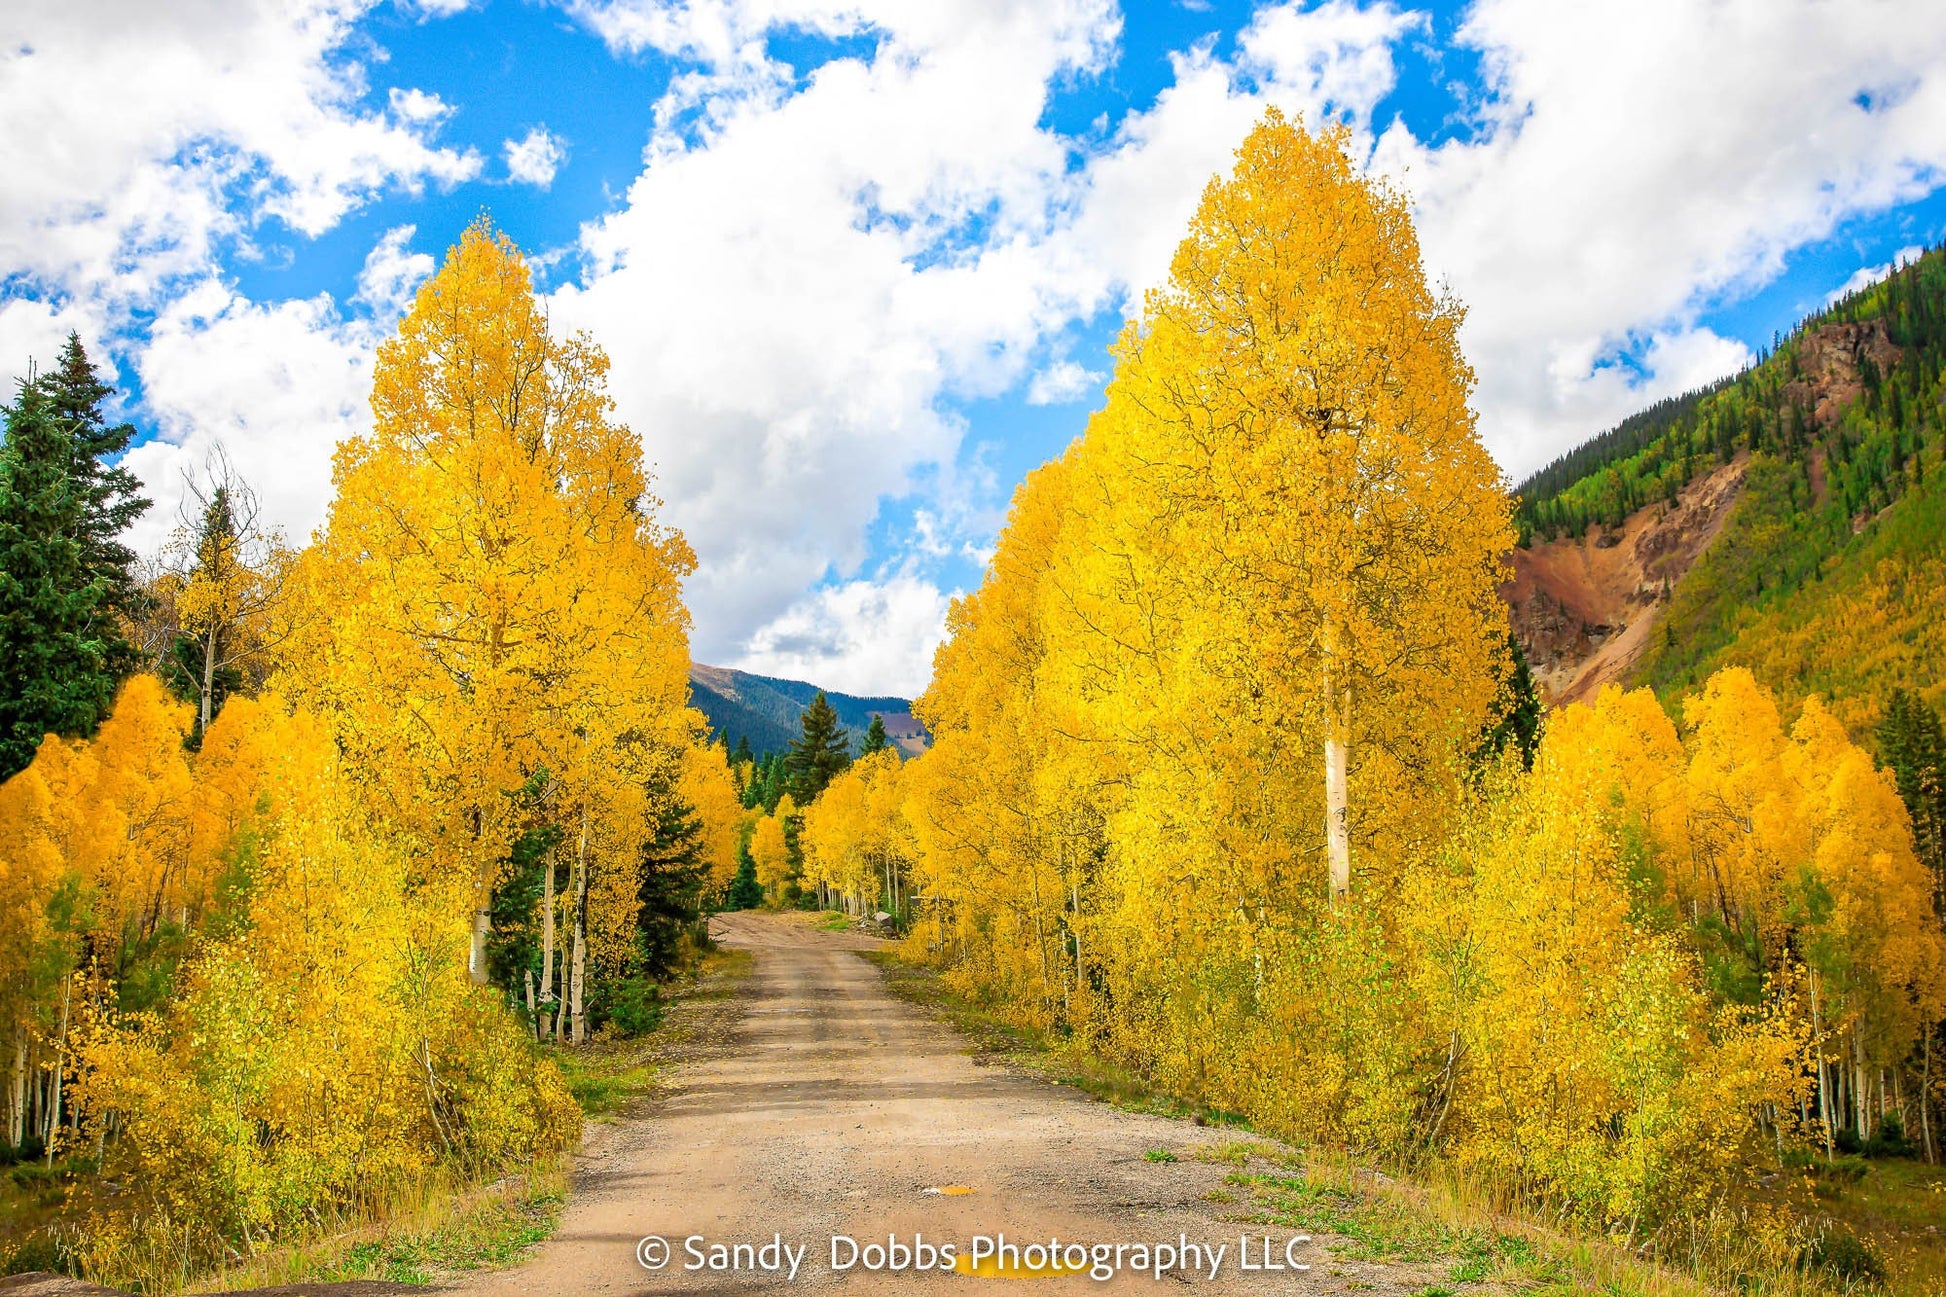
x: 1788, y: 519
x: 1583, y: 607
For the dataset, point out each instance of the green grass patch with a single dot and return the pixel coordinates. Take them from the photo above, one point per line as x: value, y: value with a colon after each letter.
x: 427, y: 1237
x: 1358, y: 1215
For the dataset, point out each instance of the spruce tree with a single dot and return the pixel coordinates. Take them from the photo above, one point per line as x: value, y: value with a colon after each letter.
x: 875, y: 740
x: 110, y: 495
x: 1517, y: 714
x: 745, y: 893
x: 54, y: 664
x: 66, y: 580
x: 671, y: 889
x: 1912, y: 743
x: 820, y: 755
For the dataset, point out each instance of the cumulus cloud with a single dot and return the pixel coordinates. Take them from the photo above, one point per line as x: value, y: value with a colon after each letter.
x: 861, y: 637
x: 1572, y: 229
x: 534, y: 158
x: 1575, y: 233
x: 1061, y: 383
x: 276, y: 386
x: 391, y: 274
x: 792, y: 298
x: 214, y: 116
x: 1866, y: 276
x: 812, y: 273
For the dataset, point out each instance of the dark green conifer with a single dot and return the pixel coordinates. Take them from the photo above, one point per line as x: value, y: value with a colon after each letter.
x: 820, y: 755
x: 55, y: 673
x: 1912, y: 743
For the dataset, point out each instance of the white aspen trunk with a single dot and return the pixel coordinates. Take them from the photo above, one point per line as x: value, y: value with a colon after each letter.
x: 209, y: 680
x: 1860, y: 1089
x: 476, y: 955
x: 1337, y: 815
x: 1824, y: 1087
x: 561, y: 982
x: 60, y: 1066
x: 547, y: 946
x: 580, y: 1008
x: 17, y: 1121
x: 1925, y: 1091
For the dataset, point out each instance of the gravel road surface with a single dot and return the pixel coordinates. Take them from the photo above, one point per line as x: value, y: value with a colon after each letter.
x: 817, y: 1106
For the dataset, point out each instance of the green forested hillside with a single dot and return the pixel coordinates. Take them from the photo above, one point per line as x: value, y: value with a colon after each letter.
x: 1828, y: 576
x: 768, y: 711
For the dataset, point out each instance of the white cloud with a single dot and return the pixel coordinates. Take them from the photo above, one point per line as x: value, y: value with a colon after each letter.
x: 816, y: 307
x: 392, y: 274
x: 207, y: 116
x: 1866, y: 276
x: 1632, y: 165
x: 1638, y: 162
x: 790, y: 294
x: 862, y: 637
x: 534, y: 158
x: 1062, y: 382
x: 277, y: 386
x: 1338, y: 52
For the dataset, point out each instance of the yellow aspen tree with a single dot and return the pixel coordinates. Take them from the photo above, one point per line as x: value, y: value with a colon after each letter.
x: 709, y: 787
x: 228, y: 583
x: 492, y: 596
x: 1293, y: 403
x: 771, y: 851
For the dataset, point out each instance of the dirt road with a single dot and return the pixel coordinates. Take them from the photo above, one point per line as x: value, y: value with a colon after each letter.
x: 826, y: 1107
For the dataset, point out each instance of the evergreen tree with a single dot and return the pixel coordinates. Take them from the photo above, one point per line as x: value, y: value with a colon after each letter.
x: 875, y: 740
x: 746, y: 893
x: 55, y: 665
x: 820, y: 755
x: 1912, y: 743
x: 1517, y: 716
x: 201, y: 668
x: 671, y: 890
x: 110, y: 495
x: 741, y: 754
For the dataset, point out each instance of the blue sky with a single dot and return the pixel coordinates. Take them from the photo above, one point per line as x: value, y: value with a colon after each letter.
x: 858, y: 264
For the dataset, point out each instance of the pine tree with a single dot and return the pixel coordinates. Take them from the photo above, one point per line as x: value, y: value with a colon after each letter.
x: 746, y: 893
x: 55, y: 664
x: 875, y: 740
x: 202, y: 668
x: 1913, y: 746
x: 1517, y: 715
x: 673, y: 870
x: 111, y: 496
x: 820, y: 755
x: 741, y: 754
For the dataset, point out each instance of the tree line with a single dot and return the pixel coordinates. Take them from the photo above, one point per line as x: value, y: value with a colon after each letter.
x: 1234, y: 781
x: 304, y: 851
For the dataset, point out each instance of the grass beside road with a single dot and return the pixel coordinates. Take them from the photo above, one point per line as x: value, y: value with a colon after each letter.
x: 427, y: 1231
x: 1894, y: 1210
x: 451, y: 1230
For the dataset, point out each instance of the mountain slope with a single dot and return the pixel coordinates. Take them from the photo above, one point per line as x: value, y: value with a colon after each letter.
x: 1790, y: 519
x: 766, y: 710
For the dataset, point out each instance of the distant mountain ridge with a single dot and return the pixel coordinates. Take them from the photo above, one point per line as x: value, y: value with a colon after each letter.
x: 767, y: 710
